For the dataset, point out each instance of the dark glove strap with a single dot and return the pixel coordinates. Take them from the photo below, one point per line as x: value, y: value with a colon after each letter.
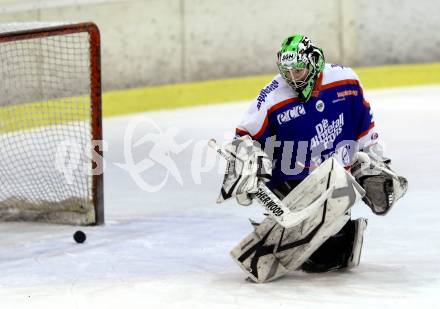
x: 260, y: 172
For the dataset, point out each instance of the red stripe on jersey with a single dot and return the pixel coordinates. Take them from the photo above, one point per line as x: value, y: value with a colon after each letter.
x: 366, y: 131
x: 340, y: 83
x: 318, y: 85
x: 366, y: 104
x: 260, y: 132
x: 241, y: 132
x: 281, y: 104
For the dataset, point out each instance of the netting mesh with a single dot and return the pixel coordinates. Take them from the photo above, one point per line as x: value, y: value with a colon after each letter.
x: 45, y: 128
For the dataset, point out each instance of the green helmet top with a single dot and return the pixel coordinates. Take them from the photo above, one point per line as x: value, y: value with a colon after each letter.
x: 297, y: 53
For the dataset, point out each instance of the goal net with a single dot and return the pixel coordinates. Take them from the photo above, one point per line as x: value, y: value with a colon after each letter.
x: 50, y: 123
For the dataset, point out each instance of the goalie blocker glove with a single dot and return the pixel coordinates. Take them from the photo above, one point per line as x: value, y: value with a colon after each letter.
x: 248, y: 164
x: 382, y: 185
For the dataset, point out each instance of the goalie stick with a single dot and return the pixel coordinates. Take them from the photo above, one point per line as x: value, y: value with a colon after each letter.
x: 272, y: 204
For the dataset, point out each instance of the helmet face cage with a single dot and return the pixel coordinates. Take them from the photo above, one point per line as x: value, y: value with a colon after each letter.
x: 296, y: 82
x: 298, y: 53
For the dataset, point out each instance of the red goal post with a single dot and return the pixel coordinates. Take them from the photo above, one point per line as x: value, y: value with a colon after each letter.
x: 50, y: 94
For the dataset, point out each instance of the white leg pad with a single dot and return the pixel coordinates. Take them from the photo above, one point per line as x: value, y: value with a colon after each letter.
x: 271, y: 251
x: 360, y: 226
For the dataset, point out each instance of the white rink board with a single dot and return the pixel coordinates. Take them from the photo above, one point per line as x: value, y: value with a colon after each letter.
x: 170, y: 249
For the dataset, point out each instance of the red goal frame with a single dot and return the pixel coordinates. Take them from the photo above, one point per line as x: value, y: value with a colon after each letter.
x: 95, y: 91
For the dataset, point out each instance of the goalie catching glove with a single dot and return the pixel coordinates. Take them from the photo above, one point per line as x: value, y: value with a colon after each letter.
x: 248, y: 164
x: 382, y: 185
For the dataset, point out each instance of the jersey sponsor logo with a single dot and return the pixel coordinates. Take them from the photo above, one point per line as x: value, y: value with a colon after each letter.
x: 334, y: 65
x: 374, y: 136
x: 345, y: 93
x: 265, y: 91
x: 292, y: 113
x: 326, y: 132
x: 338, y: 100
x: 320, y: 106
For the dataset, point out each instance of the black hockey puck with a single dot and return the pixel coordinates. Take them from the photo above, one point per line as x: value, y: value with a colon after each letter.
x: 79, y: 237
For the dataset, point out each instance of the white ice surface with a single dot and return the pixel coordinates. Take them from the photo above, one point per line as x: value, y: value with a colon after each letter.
x: 169, y: 249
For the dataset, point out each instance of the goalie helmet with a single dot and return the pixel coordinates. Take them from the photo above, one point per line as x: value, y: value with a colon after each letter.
x: 300, y: 63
